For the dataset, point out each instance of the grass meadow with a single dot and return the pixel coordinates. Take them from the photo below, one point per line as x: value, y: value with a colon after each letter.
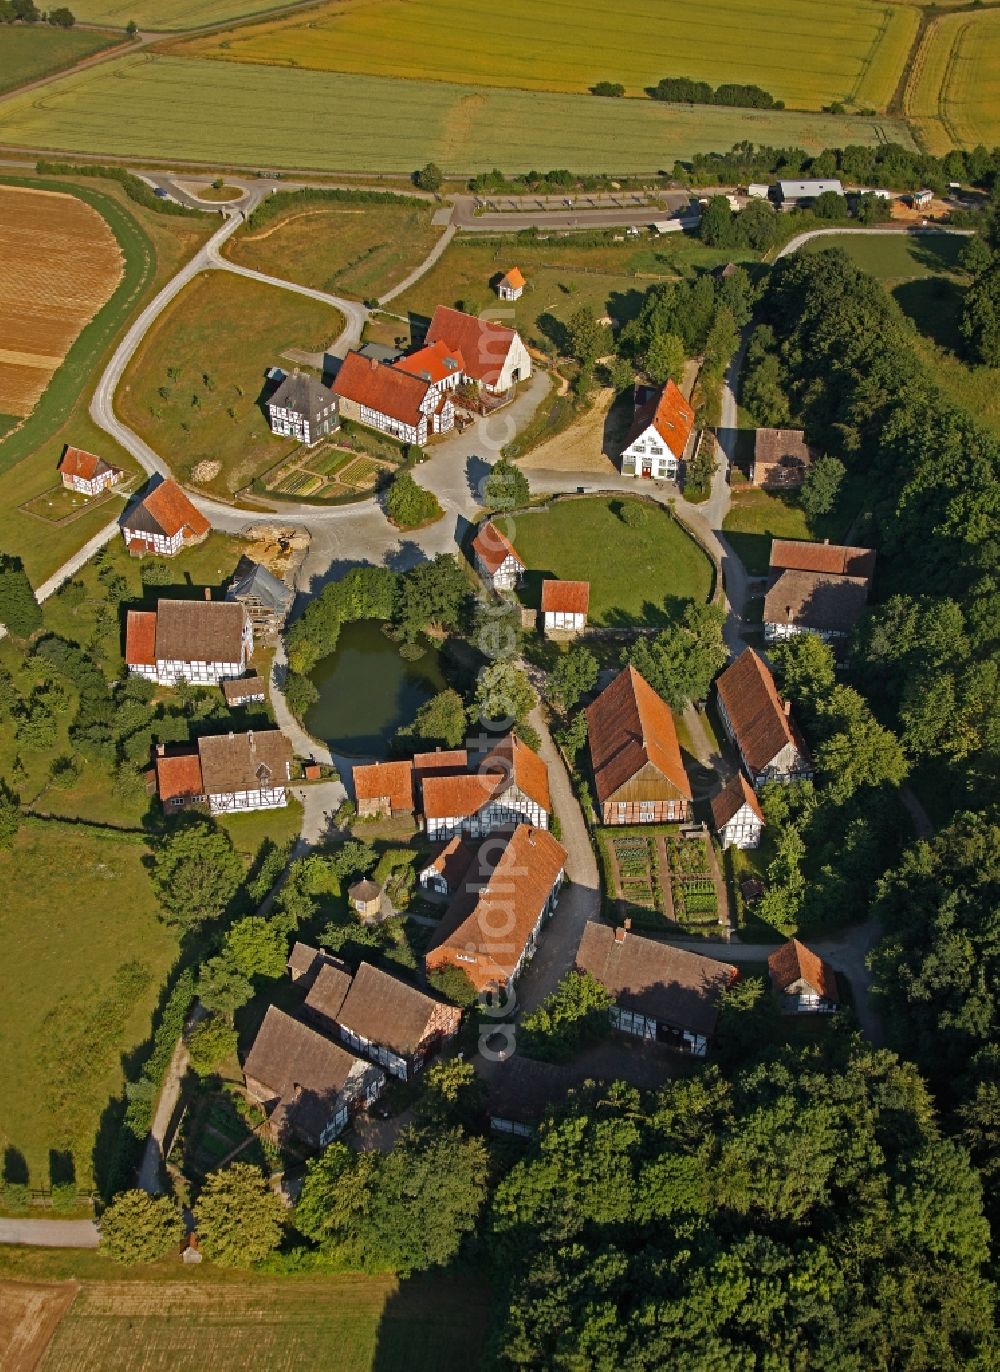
x: 633, y: 572
x: 168, y: 16
x: 806, y: 54
x: 953, y: 92
x: 276, y: 118
x: 30, y: 51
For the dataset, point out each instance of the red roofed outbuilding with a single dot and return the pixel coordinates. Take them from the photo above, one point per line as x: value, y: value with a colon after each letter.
x: 497, y: 560
x: 564, y: 606
x: 807, y: 984
x: 163, y: 522
x: 86, y: 472
x: 384, y: 788
x: 511, y: 285
x: 739, y: 820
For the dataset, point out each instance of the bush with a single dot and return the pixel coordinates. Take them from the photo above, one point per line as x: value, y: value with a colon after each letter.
x: 612, y: 88
x: 429, y: 177
x: 137, y: 1227
x: 409, y: 505
x: 136, y: 189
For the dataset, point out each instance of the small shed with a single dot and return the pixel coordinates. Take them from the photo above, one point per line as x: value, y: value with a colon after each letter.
x: 243, y: 690
x: 511, y: 285
x: 805, y: 983
x: 564, y: 607
x: 369, y: 900
x: 921, y: 199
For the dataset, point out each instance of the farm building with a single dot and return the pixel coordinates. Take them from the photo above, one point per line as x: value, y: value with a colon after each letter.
x: 496, y: 559
x: 266, y: 599
x: 199, y: 641
x: 244, y: 691
x: 781, y: 458
x: 383, y: 788
x: 634, y: 754
x: 309, y: 1086
x: 760, y: 723
x: 495, y: 358
x: 921, y: 199
x: 86, y: 472
x: 491, y: 927
x: 304, y: 963
x: 302, y: 408
x: 228, y: 772
x: 163, y: 522
x: 392, y: 401
x: 511, y: 285
x: 660, y: 993
x: 791, y: 193
x: 805, y: 983
x: 444, y: 873
x: 521, y: 1091
x: 509, y: 786
x: 442, y: 369
x: 659, y: 436
x: 381, y: 1018
x: 816, y: 587
x: 736, y: 812
x: 564, y: 607
x: 758, y: 190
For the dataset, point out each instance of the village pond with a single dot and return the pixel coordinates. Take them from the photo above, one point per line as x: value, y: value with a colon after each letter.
x: 367, y: 690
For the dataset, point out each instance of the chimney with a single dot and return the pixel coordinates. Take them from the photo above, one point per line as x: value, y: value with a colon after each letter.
x: 161, y: 750
x: 627, y: 923
x: 208, y: 593
x: 374, y: 364
x: 231, y: 735
x: 620, y: 934
x: 787, y: 707
x: 253, y: 746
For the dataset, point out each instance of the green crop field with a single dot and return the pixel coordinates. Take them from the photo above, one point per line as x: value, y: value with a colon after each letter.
x: 632, y: 572
x: 26, y: 53
x: 273, y: 117
x: 168, y: 16
x: 804, y: 53
x: 953, y: 94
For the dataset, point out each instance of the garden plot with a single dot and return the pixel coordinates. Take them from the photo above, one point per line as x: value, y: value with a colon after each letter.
x: 327, y: 473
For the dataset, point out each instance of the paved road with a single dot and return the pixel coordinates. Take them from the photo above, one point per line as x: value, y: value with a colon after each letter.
x: 795, y: 243
x: 50, y: 1233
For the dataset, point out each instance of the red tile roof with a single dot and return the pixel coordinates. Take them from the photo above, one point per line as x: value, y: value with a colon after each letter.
x: 493, y: 548
x: 731, y: 799
x: 447, y: 797
x: 484, y: 346
x: 670, y: 415
x: 392, y: 779
x: 511, y: 758
x: 384, y: 389
x: 441, y: 762
x: 178, y: 775
x: 171, y: 509
x: 434, y: 363
x: 628, y: 727
x: 799, y: 555
x: 513, y: 279
x: 565, y: 597
x: 140, y: 638
x: 747, y: 690
x: 77, y: 462
x: 793, y: 961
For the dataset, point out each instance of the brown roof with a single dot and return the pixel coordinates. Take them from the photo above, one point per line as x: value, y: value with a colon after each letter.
x: 199, y: 630
x: 799, y: 555
x: 305, y: 959
x: 816, y: 600
x: 779, y: 448
x: 434, y: 363
x: 453, y: 861
x: 793, y: 961
x: 513, y: 759
x: 747, y: 690
x: 484, y: 346
x: 505, y: 890
x: 244, y: 762
x: 167, y: 510
x: 329, y: 989
x: 364, y: 891
x: 242, y: 688
x: 387, y: 1011
x: 140, y: 638
x: 565, y: 597
x: 445, y: 762
x: 444, y: 797
x: 178, y: 774
x: 379, y: 387
x: 731, y: 799
x: 656, y: 979
x: 670, y: 415
x: 628, y: 727
x: 77, y: 462
x: 378, y: 780
x: 493, y: 548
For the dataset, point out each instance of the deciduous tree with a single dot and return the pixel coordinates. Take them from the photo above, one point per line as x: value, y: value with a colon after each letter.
x: 239, y: 1218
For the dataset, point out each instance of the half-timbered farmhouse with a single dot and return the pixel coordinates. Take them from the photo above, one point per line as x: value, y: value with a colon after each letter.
x: 564, y: 607
x: 781, y: 458
x: 509, y: 786
x: 309, y: 1086
x: 392, y: 401
x: 636, y: 760
x: 661, y: 993
x: 436, y: 364
x: 302, y: 408
x: 805, y: 983
x: 739, y: 820
x: 266, y: 600
x: 658, y: 439
x: 497, y: 560
x: 246, y: 690
x: 511, y: 285
x: 86, y: 472
x: 820, y: 588
x: 200, y: 641
x: 760, y: 723
x: 491, y: 927
x: 446, y: 869
x: 227, y: 772
x: 494, y: 357
x: 381, y: 1018
x: 163, y: 522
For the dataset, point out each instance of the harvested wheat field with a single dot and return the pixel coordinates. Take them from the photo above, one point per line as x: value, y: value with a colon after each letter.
x: 61, y: 263
x: 29, y: 1313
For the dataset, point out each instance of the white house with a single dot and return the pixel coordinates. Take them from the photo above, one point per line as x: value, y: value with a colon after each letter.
x: 163, y: 522
x: 227, y: 772
x: 659, y: 436
x: 511, y: 285
x: 564, y: 606
x: 199, y: 641
x: 805, y: 983
x: 494, y: 357
x: 390, y: 400
x: 759, y: 722
x: 302, y: 408
x: 739, y: 820
x: 510, y: 786
x: 497, y: 560
x: 86, y: 472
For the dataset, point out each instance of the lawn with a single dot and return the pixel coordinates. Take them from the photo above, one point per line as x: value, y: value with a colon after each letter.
x: 807, y: 54
x: 30, y: 51
x: 195, y: 388
x: 633, y: 572
x: 336, y: 122
x: 188, y: 1319
x: 953, y: 91
x: 84, y: 959
x: 356, y: 250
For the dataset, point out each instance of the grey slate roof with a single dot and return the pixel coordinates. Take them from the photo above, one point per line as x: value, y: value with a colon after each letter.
x: 303, y: 394
x: 254, y: 582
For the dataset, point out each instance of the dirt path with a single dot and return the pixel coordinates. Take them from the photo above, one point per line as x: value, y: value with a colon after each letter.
x: 584, y: 446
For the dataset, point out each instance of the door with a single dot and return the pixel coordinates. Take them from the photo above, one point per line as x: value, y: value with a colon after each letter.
x: 647, y: 467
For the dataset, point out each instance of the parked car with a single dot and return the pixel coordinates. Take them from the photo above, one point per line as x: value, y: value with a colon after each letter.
x: 160, y: 193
